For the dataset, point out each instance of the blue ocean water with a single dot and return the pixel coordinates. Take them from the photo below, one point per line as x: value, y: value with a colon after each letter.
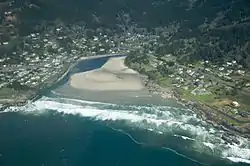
x: 69, y: 140
x: 66, y: 140
x: 56, y: 131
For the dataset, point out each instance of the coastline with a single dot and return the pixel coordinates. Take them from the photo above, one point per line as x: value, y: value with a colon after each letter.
x: 52, y: 81
x: 165, y: 93
x: 112, y: 81
x: 201, y: 109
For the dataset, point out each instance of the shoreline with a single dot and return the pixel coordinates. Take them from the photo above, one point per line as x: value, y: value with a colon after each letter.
x: 53, y: 81
x: 199, y: 108
x: 82, y: 59
x: 113, y: 75
x: 119, y: 68
x: 153, y: 88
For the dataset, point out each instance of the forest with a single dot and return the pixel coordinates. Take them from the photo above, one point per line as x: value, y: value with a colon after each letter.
x: 212, y: 30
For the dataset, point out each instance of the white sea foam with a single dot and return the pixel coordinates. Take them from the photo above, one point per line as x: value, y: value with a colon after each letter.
x: 159, y: 119
x: 150, y: 129
x: 210, y: 145
x: 159, y: 132
x: 238, y: 160
x: 184, y: 137
x: 83, y: 101
x: 235, y: 151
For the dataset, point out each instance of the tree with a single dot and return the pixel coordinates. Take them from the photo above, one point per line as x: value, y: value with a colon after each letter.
x: 170, y: 63
x: 17, y: 86
x: 151, y: 75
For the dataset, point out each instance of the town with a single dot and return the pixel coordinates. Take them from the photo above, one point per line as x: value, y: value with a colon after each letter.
x: 218, y: 92
x: 40, y: 59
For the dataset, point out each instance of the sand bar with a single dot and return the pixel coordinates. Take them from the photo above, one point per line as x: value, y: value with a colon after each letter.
x: 114, y: 75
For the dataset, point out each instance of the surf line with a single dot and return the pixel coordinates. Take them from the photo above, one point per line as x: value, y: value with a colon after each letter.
x: 165, y: 148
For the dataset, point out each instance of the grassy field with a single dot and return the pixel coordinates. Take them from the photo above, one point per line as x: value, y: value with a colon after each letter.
x: 7, y: 93
x: 165, y: 82
x: 207, y: 98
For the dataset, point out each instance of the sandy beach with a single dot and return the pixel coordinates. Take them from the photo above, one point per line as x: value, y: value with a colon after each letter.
x: 112, y: 82
x: 114, y: 75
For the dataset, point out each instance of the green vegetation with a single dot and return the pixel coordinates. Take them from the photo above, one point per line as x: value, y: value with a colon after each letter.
x: 220, y: 33
x: 16, y: 86
x: 164, y: 81
x: 206, y: 98
x: 6, y: 93
x: 215, y: 93
x: 203, y: 57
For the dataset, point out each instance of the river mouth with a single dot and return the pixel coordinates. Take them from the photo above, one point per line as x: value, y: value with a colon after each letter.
x: 142, y: 110
x: 145, y: 118
x: 123, y: 96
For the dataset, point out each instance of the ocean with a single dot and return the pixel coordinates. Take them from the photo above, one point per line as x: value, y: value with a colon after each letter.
x: 56, y: 140
x: 61, y: 131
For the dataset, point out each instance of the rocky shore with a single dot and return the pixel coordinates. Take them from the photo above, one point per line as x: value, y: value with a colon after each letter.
x: 153, y: 87
x: 205, y: 112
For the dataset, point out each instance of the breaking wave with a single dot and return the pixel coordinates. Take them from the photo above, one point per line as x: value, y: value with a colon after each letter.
x: 161, y: 120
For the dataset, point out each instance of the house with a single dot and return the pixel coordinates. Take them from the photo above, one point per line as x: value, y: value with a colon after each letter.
x: 180, y: 69
x: 202, y: 77
x: 221, y: 68
x: 247, y: 85
x: 235, y: 104
x: 200, y: 91
x: 102, y: 50
x: 207, y: 69
x: 189, y: 71
x: 209, y: 84
x: 241, y: 72
x: 229, y: 72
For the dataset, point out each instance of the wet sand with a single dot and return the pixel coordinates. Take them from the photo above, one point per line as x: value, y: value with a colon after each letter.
x: 112, y: 76
x: 113, y: 82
